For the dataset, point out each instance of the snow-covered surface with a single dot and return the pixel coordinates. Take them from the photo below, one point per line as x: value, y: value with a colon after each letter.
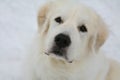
x: 18, y: 24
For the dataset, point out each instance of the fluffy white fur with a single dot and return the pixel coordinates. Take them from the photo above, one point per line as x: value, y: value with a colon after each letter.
x: 88, y: 63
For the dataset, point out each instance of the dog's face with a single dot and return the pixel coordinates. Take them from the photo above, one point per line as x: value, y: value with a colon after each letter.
x: 70, y: 32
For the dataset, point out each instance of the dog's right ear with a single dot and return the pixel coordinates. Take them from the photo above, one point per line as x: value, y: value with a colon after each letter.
x: 43, y: 15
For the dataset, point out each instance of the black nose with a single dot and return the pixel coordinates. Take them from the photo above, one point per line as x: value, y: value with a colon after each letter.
x: 62, y: 40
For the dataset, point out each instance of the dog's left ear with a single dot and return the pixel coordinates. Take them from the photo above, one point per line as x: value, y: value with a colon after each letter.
x: 101, y: 36
x: 97, y: 40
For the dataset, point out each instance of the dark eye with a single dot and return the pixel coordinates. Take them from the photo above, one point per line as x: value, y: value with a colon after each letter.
x: 59, y: 20
x: 82, y: 28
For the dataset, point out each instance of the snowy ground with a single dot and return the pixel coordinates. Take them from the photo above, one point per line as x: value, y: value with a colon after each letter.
x: 18, y: 24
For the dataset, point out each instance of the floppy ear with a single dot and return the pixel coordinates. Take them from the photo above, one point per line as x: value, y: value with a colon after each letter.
x: 101, y: 35
x: 96, y: 41
x: 43, y: 16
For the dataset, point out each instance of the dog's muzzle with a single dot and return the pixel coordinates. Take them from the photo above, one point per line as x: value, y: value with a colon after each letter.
x: 60, y: 46
x: 62, y: 42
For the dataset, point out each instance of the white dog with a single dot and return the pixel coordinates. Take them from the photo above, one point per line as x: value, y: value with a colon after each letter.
x: 68, y: 44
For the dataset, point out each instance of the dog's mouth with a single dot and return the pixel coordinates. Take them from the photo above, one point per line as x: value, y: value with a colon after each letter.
x: 59, y: 52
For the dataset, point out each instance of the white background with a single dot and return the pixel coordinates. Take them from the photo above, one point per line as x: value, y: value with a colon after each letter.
x: 18, y: 24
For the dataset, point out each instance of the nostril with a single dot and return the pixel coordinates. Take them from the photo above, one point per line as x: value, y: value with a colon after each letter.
x: 62, y: 40
x: 57, y: 39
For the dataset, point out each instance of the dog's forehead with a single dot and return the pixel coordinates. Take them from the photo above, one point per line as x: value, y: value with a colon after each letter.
x: 79, y: 14
x: 75, y: 11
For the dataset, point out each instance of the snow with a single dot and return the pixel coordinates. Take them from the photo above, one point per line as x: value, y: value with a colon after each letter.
x: 18, y: 24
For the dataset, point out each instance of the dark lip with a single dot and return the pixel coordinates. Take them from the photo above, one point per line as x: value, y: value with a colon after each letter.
x: 58, y: 51
x: 47, y: 53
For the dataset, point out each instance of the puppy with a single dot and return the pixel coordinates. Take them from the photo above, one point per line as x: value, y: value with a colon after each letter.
x: 67, y: 46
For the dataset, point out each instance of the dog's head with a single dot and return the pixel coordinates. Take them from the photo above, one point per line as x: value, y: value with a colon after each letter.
x: 70, y: 32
